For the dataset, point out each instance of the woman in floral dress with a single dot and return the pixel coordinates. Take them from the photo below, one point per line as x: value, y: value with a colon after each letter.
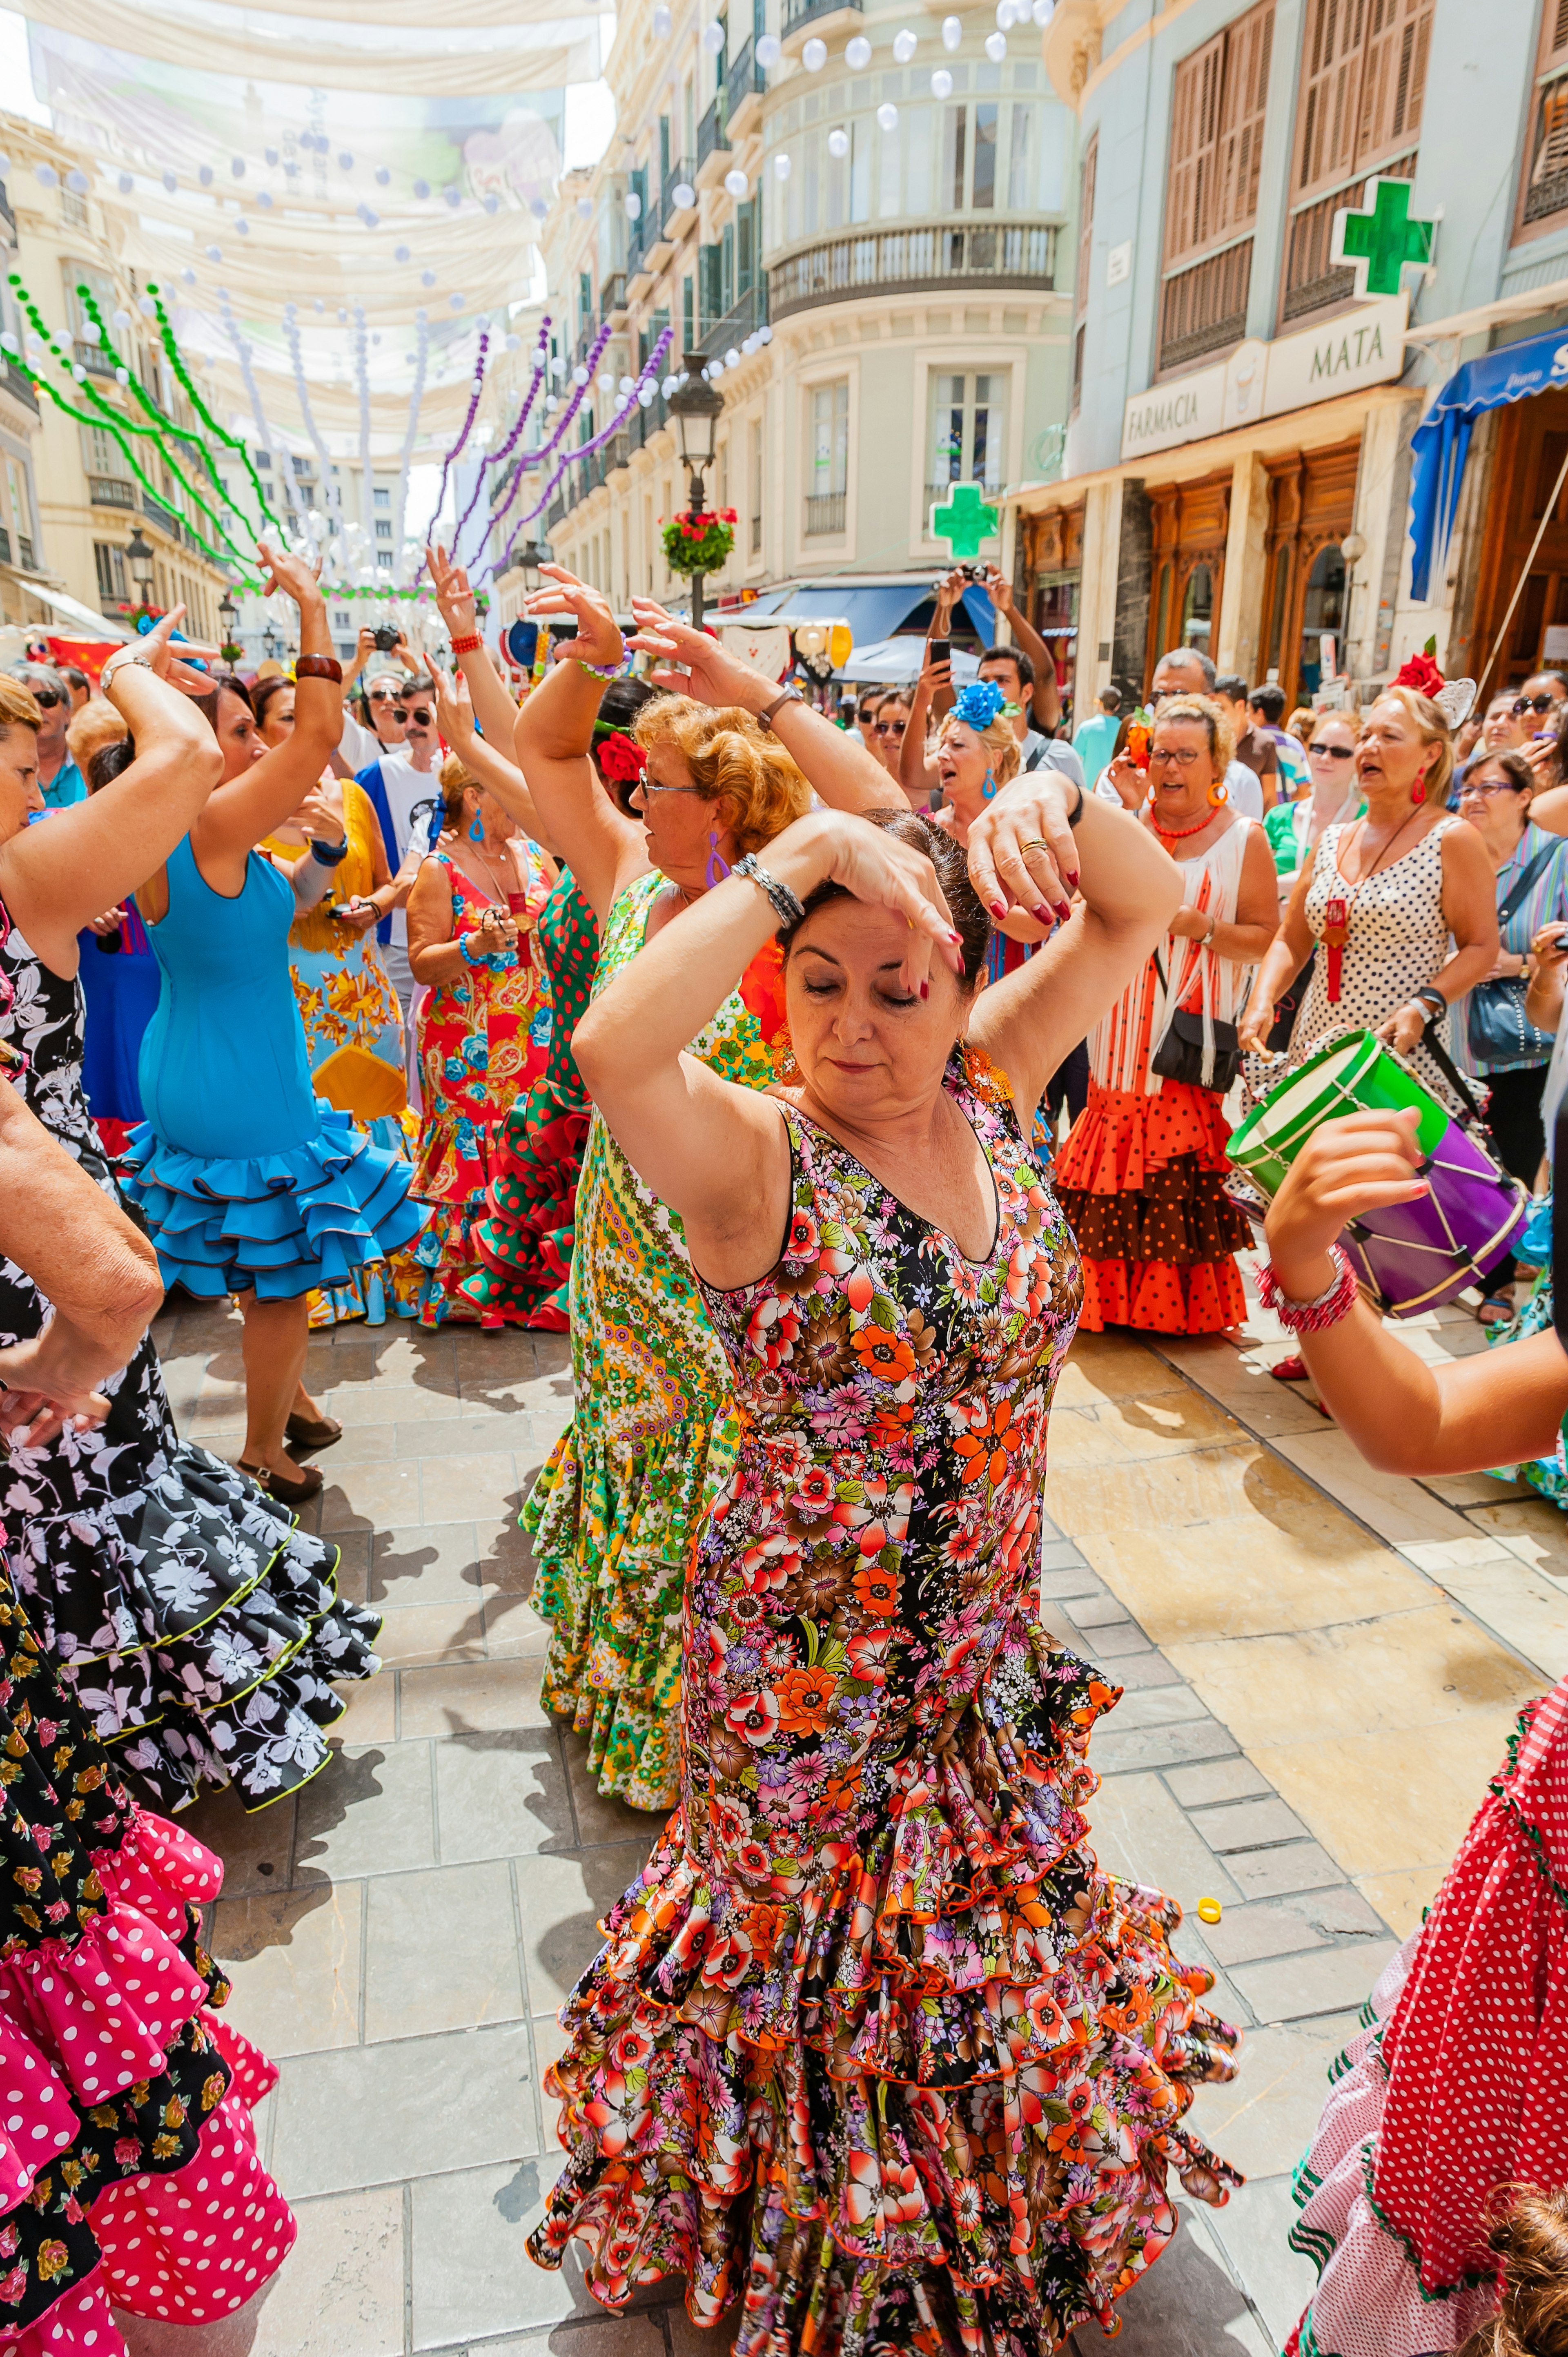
x: 614, y: 1513
x: 873, y: 2040
x: 484, y: 1023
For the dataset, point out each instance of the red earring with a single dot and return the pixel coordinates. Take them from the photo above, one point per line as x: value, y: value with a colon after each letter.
x: 1418, y: 791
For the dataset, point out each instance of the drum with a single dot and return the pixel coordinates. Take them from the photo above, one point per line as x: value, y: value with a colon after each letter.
x: 1409, y: 1256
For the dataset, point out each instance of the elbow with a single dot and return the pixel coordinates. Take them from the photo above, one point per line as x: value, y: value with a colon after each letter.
x: 590, y: 1051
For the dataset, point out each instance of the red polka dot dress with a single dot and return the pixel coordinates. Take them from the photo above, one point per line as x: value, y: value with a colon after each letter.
x: 129, y: 2176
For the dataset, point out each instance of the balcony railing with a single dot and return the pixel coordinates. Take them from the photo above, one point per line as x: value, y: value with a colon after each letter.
x: 93, y: 358
x: 111, y: 492
x: 645, y: 423
x: 7, y: 216
x: 26, y: 561
x: 824, y: 514
x: 1311, y: 279
x: 800, y: 12
x: 19, y: 385
x: 681, y: 174
x: 612, y: 295
x: 745, y: 79
x: 713, y: 131
x: 1204, y: 308
x: 999, y: 253
x: 738, y: 322
x: 1546, y: 192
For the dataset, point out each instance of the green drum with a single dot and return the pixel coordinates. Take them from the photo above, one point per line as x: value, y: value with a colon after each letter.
x: 1354, y: 1074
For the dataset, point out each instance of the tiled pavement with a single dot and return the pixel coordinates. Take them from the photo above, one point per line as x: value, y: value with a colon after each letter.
x: 1313, y: 1700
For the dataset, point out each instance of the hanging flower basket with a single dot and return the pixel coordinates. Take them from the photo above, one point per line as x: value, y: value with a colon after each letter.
x: 698, y: 544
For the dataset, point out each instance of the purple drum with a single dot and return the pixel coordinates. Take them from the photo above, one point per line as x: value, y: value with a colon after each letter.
x: 1412, y: 1257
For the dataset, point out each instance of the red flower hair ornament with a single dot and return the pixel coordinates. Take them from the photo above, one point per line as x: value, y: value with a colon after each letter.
x: 621, y: 757
x: 1453, y: 697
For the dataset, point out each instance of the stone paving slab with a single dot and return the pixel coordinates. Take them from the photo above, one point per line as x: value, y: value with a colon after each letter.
x: 401, y: 1935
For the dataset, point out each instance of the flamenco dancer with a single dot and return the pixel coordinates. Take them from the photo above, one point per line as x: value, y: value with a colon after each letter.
x: 197, y: 1627
x: 872, y: 2040
x: 1451, y: 2100
x: 129, y: 2177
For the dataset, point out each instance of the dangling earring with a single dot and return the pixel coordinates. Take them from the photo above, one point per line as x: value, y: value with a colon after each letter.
x: 1218, y: 792
x: 988, y: 790
x: 1418, y: 791
x: 717, y: 867
x: 476, y: 830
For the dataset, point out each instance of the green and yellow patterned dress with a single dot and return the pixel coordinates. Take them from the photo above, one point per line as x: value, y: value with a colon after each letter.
x: 616, y: 1511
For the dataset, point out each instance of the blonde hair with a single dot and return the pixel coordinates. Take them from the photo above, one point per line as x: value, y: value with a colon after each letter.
x: 1304, y: 720
x: 18, y: 709
x: 732, y: 759
x: 455, y: 780
x: 88, y: 731
x: 1002, y: 748
x: 1432, y: 723
x: 1529, y: 2234
x: 1213, y: 717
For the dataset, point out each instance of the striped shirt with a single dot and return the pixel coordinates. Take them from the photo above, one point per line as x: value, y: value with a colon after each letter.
x: 1546, y: 903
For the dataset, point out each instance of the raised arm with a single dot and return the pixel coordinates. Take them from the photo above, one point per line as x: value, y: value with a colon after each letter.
x: 919, y: 777
x: 604, y: 849
x: 712, y: 1151
x: 264, y: 796
x: 833, y: 761
x: 1045, y: 703
x: 1040, y: 837
x: 55, y: 877
x: 485, y: 756
x: 1404, y: 1415
x: 493, y: 709
x: 100, y: 1275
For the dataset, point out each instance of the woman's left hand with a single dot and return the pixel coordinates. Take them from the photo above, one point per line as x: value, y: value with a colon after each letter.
x: 32, y: 1411
x: 1508, y: 967
x: 453, y: 595
x: 289, y: 575
x: 1192, y: 924
x: 1021, y: 849
x: 599, y: 639
x: 839, y: 847
x: 1405, y: 1028
x: 453, y: 707
x: 695, y: 665
x: 359, y: 915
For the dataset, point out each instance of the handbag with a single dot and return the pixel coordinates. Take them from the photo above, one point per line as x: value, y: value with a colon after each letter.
x: 1497, y: 1029
x: 1179, y: 1056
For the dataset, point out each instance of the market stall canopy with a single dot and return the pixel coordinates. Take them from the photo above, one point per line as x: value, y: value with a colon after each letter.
x: 84, y: 622
x: 895, y: 662
x: 873, y: 610
x: 1441, y: 443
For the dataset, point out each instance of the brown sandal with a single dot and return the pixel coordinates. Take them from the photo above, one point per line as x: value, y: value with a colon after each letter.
x: 278, y: 1485
x: 313, y: 1432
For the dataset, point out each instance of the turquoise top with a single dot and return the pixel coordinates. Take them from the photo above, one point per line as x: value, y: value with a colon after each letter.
x: 1094, y: 741
x: 224, y: 1065
x: 67, y: 786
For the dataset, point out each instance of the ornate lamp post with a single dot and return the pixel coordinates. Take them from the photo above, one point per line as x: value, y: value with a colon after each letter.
x: 696, y: 406
x: 140, y: 557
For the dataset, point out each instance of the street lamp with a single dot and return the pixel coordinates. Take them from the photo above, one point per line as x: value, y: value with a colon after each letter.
x: 529, y: 556
x: 696, y: 406
x: 227, y: 620
x: 272, y: 645
x: 141, y: 559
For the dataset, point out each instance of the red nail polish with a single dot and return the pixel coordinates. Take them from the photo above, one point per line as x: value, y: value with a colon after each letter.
x: 1065, y: 910
x: 999, y: 908
x: 1044, y: 916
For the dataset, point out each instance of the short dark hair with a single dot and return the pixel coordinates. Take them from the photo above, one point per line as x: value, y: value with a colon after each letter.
x: 952, y: 863
x: 1191, y: 655
x: 1013, y: 655
x: 1514, y: 766
x: 1110, y: 697
x: 77, y: 678
x: 1270, y: 700
x: 1231, y: 684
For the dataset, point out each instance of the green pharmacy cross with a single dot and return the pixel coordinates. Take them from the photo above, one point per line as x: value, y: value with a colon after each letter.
x: 1380, y: 238
x: 965, y: 522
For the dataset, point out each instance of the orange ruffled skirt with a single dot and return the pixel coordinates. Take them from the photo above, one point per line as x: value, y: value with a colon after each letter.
x: 1142, y: 1181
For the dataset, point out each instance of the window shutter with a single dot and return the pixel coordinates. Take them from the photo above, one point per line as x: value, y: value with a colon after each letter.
x: 1194, y: 133
x: 1086, y: 220
x: 1553, y: 35
x: 1393, y: 79
x: 1330, y: 92
x: 1249, y: 45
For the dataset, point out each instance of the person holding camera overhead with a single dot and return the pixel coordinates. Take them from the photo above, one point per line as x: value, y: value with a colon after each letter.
x: 394, y: 760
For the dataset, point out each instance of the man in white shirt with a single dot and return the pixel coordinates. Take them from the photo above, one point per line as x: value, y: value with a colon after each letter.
x: 1183, y: 671
x: 399, y: 773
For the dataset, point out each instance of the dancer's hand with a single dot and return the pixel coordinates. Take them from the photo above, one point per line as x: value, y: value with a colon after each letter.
x: 1021, y: 849
x: 288, y: 575
x: 453, y: 595
x: 45, y: 1388
x: 599, y: 639
x: 695, y: 665
x: 838, y: 848
x: 158, y: 649
x: 1361, y: 1163
x: 453, y: 708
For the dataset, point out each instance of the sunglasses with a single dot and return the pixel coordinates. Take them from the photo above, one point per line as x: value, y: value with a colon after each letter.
x: 46, y: 698
x: 866, y: 718
x: 1522, y: 704
x: 383, y: 696
x: 1334, y: 752
x: 891, y: 728
x: 421, y: 716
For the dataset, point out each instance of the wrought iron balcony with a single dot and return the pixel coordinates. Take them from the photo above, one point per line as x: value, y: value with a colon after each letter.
x: 19, y: 385
x: 745, y: 79
x: 681, y: 174
x: 713, y: 131
x: 800, y: 13
x: 824, y: 514
x: 887, y: 261
x: 111, y: 492
x: 738, y: 321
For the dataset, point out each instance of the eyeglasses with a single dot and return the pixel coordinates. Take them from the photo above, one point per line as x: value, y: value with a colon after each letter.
x: 1184, y: 759
x: 421, y: 716
x: 383, y: 696
x: 1522, y: 704
x: 891, y: 728
x: 1334, y: 752
x: 46, y: 698
x: 1488, y: 786
x: 647, y: 786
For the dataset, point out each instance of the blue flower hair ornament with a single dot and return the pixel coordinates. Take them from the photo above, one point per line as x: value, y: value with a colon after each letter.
x: 978, y: 705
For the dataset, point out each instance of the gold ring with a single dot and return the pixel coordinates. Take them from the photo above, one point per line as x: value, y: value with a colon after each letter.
x: 1036, y: 843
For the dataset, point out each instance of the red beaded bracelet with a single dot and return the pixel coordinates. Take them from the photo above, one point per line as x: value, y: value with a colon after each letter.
x: 468, y: 646
x: 1311, y: 1317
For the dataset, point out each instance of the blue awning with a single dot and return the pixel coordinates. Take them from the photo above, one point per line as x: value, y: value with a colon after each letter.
x: 1441, y: 443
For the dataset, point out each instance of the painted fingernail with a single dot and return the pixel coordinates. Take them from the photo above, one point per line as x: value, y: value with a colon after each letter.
x: 1065, y: 908
x: 1072, y: 881
x: 999, y: 908
x: 952, y: 937
x: 1044, y: 916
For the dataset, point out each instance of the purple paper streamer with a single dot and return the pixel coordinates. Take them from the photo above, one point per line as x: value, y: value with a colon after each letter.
x: 536, y: 458
x: 499, y: 458
x: 650, y: 375
x: 457, y: 451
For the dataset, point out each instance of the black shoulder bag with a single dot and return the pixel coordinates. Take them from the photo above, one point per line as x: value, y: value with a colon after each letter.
x: 1179, y: 1056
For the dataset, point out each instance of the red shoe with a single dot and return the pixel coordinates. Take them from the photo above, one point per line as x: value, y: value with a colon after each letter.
x: 1289, y: 1371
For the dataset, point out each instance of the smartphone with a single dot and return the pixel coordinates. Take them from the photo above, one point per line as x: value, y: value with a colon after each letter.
x: 939, y: 651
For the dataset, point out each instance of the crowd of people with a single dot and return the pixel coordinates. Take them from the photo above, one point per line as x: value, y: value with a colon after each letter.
x: 653, y: 1008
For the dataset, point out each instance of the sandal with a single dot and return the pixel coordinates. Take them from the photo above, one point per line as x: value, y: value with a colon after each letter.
x: 312, y: 1432
x: 1501, y: 1305
x: 279, y: 1486
x: 1289, y: 1371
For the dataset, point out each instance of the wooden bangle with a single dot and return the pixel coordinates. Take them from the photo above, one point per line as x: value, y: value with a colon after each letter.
x: 319, y: 667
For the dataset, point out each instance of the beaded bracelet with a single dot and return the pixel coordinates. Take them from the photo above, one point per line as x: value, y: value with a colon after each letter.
x: 468, y: 646
x: 600, y: 671
x: 1335, y: 1302
x: 787, y: 906
x: 498, y: 960
x: 329, y: 854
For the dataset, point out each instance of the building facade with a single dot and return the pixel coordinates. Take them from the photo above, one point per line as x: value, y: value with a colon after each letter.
x: 876, y: 273
x: 1237, y: 470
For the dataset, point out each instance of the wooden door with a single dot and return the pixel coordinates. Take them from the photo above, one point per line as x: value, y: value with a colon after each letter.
x: 1532, y: 442
x: 1312, y: 504
x: 1190, y: 524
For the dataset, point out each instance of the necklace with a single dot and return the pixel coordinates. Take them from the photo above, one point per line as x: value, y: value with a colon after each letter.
x: 500, y: 890
x: 1175, y: 833
x: 1336, y: 912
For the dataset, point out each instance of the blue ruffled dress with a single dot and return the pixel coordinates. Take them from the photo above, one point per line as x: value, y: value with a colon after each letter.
x: 245, y: 1176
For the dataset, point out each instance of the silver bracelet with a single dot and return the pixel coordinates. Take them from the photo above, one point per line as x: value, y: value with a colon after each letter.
x: 787, y: 906
x: 123, y: 663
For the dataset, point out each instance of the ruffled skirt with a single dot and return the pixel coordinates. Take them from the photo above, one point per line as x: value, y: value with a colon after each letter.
x: 1142, y: 1181
x: 284, y: 1223
x: 929, y: 2103
x: 525, y: 1241
x: 613, y: 1526
x: 1369, y: 2300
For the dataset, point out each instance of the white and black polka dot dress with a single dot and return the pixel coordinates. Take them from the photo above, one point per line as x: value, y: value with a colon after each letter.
x: 1398, y: 939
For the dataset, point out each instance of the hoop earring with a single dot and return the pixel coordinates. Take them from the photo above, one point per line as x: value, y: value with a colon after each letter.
x: 988, y: 790
x: 476, y: 830
x: 1219, y: 793
x: 717, y: 867
x: 1418, y: 791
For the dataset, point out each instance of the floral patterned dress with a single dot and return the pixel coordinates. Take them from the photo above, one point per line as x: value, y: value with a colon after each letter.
x: 526, y: 1238
x: 128, y: 2165
x: 483, y: 1039
x: 353, y: 1037
x: 873, y: 2040
x: 615, y: 1512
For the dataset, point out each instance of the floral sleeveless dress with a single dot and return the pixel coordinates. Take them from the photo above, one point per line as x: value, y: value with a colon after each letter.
x: 873, y: 2040
x: 614, y: 1513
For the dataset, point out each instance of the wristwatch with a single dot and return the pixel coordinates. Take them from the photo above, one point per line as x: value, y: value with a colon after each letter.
x: 790, y: 694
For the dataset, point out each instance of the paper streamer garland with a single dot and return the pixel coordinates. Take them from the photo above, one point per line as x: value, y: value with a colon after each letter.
x: 334, y: 495
x: 499, y: 457
x: 176, y: 361
x: 458, y: 446
x: 269, y: 441
x: 648, y: 376
x: 547, y: 448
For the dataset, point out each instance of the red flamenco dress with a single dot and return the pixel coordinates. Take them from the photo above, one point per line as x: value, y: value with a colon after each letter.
x: 129, y: 2177
x: 1142, y: 1175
